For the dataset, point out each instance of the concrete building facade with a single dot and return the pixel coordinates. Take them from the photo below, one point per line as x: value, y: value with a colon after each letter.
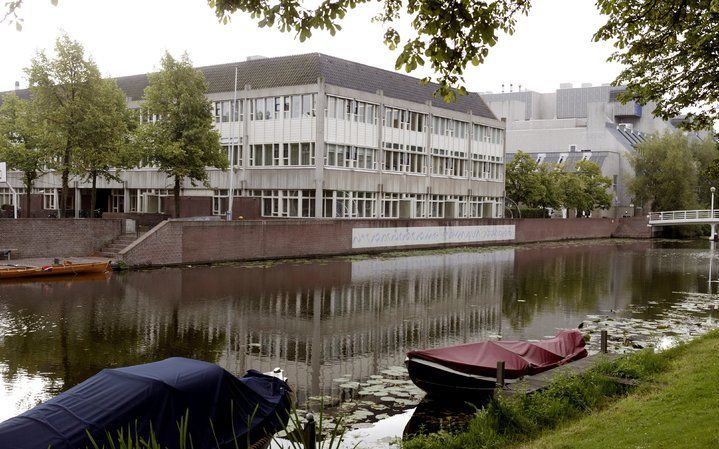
x: 317, y: 136
x: 579, y: 123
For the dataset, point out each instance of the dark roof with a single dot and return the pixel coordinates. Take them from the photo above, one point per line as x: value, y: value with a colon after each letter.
x: 297, y: 70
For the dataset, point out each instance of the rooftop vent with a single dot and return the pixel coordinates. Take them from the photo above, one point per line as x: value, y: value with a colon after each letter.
x: 256, y: 57
x: 17, y: 85
x: 566, y: 86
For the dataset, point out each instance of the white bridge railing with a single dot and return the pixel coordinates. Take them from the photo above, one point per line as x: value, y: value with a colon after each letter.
x: 685, y: 216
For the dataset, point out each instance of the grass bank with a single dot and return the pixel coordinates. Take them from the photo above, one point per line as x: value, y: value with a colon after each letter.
x: 678, y: 411
x: 674, y: 406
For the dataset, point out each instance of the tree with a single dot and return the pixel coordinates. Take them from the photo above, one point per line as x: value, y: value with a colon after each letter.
x: 665, y: 173
x: 593, y: 188
x: 532, y: 184
x: 105, y: 132
x: 183, y: 141
x: 450, y: 35
x: 669, y: 51
x: 523, y: 184
x: 65, y: 90
x: 23, y: 141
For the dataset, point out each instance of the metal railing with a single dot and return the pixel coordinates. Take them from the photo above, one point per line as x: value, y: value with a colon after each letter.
x: 685, y: 215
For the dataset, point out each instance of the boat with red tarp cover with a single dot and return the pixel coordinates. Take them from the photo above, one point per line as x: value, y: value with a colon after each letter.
x: 472, y: 368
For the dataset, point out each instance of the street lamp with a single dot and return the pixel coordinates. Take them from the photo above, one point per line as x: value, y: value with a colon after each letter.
x: 714, y: 234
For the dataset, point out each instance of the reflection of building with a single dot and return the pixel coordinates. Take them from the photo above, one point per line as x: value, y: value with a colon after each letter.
x: 317, y: 136
x: 583, y: 123
x: 323, y: 320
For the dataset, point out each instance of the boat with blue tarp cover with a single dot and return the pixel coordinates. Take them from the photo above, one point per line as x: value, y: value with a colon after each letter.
x: 157, y: 396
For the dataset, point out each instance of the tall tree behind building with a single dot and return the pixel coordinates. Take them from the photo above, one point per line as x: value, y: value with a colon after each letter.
x: 182, y: 142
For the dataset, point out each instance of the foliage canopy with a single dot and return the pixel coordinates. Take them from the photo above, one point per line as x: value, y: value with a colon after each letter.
x: 667, y: 172
x: 547, y: 185
x: 182, y: 142
x: 24, y: 139
x: 669, y: 50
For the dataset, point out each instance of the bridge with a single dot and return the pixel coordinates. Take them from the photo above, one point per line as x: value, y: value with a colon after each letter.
x: 684, y: 217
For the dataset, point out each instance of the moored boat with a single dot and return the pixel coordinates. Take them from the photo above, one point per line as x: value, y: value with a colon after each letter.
x: 470, y: 369
x: 65, y: 268
x: 220, y: 409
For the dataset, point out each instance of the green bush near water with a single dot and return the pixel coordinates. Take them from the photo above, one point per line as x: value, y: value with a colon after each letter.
x: 510, y: 420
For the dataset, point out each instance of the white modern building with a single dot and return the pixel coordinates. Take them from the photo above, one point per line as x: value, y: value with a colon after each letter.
x: 579, y: 123
x: 318, y: 136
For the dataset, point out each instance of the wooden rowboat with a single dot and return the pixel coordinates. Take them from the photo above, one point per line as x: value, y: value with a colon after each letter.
x: 65, y: 268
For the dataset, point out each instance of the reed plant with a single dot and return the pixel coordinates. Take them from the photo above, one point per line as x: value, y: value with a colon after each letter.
x: 330, y: 436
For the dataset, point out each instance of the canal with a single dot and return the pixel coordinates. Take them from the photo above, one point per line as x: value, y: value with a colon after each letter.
x: 338, y: 327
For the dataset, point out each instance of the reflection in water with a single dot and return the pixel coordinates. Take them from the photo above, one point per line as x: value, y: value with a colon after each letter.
x: 329, y: 324
x: 433, y: 415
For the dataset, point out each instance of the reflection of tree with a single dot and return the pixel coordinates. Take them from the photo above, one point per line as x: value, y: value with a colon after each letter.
x: 546, y: 279
x: 73, y: 332
x: 593, y: 278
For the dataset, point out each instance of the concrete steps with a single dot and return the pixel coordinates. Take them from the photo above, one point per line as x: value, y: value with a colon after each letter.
x: 112, y: 249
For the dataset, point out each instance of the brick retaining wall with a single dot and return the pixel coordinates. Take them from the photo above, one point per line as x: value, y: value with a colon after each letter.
x: 177, y: 241
x: 52, y: 237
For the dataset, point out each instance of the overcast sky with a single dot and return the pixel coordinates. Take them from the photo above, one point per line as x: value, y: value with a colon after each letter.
x: 552, y: 45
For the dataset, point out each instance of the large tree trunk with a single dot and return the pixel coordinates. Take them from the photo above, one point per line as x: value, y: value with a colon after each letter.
x: 93, y: 195
x: 28, y: 192
x: 65, y: 182
x: 177, y: 196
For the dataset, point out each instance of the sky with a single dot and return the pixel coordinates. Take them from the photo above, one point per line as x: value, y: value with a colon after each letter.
x: 552, y: 45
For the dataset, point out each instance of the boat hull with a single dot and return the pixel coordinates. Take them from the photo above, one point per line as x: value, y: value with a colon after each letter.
x: 54, y: 270
x: 437, y: 382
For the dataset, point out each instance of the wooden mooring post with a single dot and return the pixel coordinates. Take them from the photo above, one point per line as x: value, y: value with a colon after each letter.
x: 500, y: 374
x: 309, y: 435
x: 603, y: 343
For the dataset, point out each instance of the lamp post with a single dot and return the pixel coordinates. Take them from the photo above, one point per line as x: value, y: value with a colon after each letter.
x: 714, y: 229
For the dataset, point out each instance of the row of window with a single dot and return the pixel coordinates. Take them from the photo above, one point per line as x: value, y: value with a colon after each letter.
x: 352, y: 110
x: 49, y: 197
x: 286, y: 106
x: 350, y: 156
x: 296, y: 106
x: 404, y: 119
x: 360, y: 204
x: 282, y: 155
x: 397, y: 158
x: 266, y: 108
x: 225, y: 113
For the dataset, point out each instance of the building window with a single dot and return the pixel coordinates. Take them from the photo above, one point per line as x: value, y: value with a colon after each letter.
x: 348, y: 204
x: 223, y: 111
x: 448, y: 163
x: 49, y: 198
x: 390, y: 205
x: 404, y: 158
x: 286, y: 203
x: 349, y: 109
x: 117, y: 200
x: 233, y: 151
x: 294, y: 154
x: 219, y: 201
x: 350, y: 156
x: 7, y: 198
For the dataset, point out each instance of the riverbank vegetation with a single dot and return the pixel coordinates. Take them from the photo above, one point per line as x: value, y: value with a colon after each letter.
x: 536, y: 186
x: 674, y: 398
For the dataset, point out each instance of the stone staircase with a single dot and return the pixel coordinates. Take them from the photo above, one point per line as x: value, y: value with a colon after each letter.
x: 112, y: 249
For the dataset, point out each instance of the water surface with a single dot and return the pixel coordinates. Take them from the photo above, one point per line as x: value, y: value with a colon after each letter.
x: 340, y: 327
